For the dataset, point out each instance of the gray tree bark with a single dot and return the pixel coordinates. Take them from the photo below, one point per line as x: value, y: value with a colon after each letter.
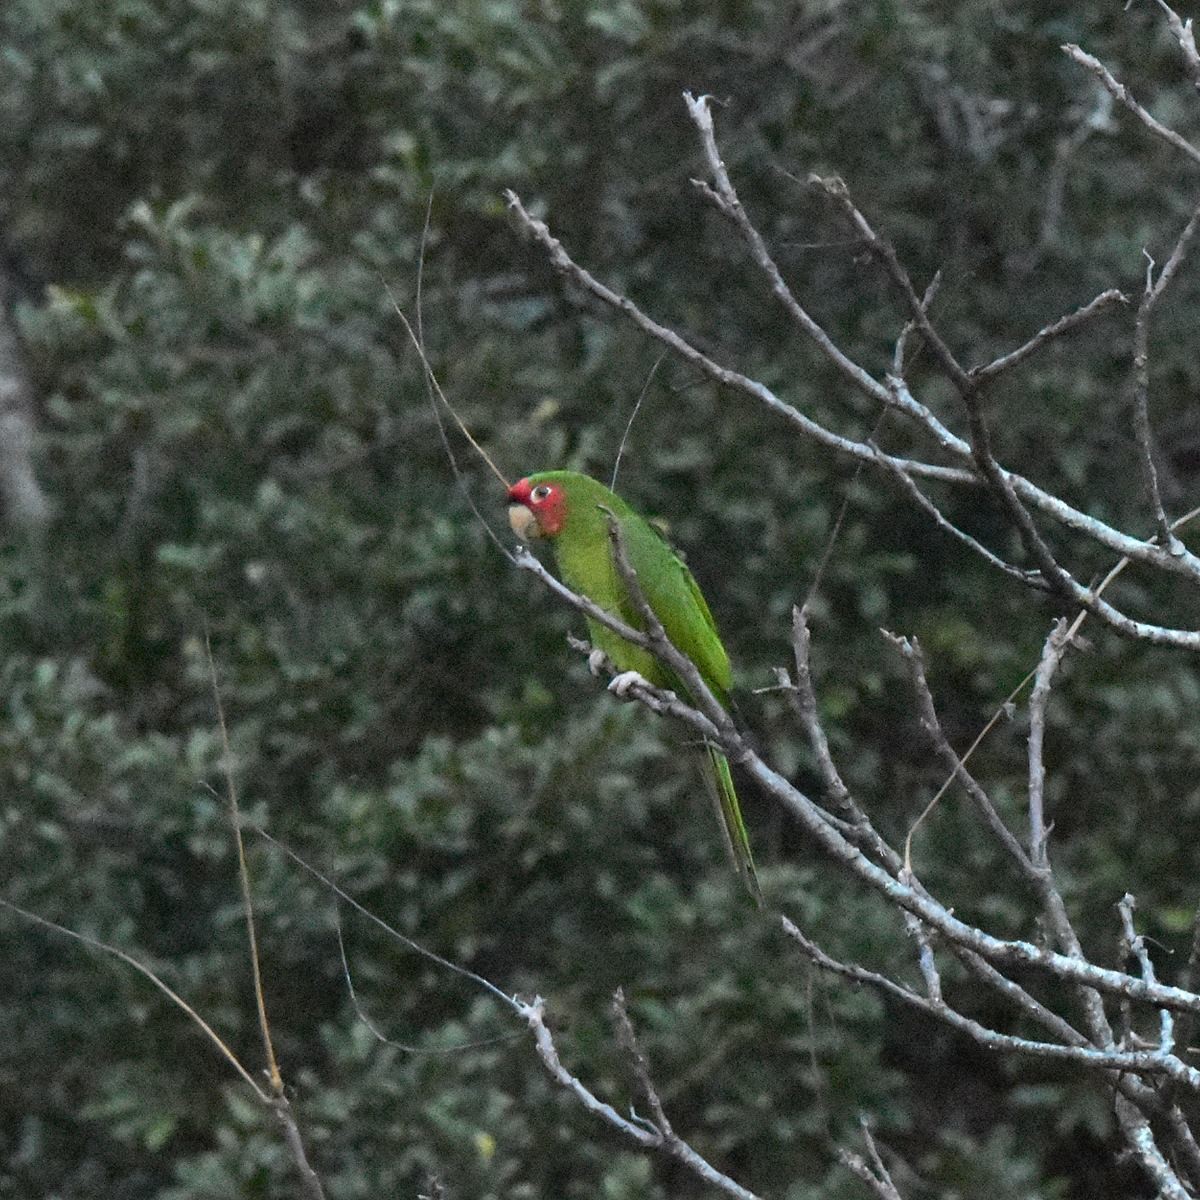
x: 24, y: 506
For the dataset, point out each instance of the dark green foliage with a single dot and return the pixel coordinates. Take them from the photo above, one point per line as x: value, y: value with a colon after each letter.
x: 203, y: 203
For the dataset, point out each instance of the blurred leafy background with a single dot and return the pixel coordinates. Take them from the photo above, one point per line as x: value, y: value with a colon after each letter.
x: 202, y: 206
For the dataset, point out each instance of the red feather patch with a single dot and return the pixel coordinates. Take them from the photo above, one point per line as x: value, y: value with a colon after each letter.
x: 546, y: 501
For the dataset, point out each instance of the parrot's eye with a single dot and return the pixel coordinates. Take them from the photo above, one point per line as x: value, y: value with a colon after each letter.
x: 540, y: 492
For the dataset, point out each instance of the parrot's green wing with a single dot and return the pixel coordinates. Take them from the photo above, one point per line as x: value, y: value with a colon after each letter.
x: 673, y: 593
x: 586, y: 564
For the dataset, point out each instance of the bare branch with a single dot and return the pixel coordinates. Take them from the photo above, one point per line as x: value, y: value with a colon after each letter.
x: 926, y: 962
x: 910, y: 651
x: 291, y: 1133
x: 854, y: 823
x: 1151, y: 293
x: 1123, y: 95
x: 627, y: 1040
x: 1187, y: 42
x: 1140, y: 1137
x: 534, y: 1013
x: 563, y: 263
x: 1081, y: 1053
x: 1036, y: 872
x: 835, y: 188
x: 981, y: 449
x: 1021, y: 999
x: 725, y: 199
x: 431, y: 955
x: 139, y: 966
x: 1135, y: 945
x: 804, y: 700
x: 873, y: 1151
x: 900, y: 352
x: 1185, y: 1144
x: 264, y: 1025
x: 1055, y: 647
x: 1064, y: 325
x: 874, y: 1174
x: 612, y: 483
x: 817, y: 823
x: 1032, y: 579
x: 1137, y: 549
x: 860, y: 831
x: 1000, y: 951
x: 969, y: 384
x: 377, y: 1033
x: 277, y: 1102
x: 1063, y: 582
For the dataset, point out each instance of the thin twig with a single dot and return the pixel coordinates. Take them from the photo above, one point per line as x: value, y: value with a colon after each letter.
x: 1001, y: 482
x: 1052, y: 653
x: 843, y: 509
x: 725, y: 198
x: 1003, y: 708
x: 562, y: 262
x: 459, y: 478
x: 875, y: 1175
x: 900, y: 351
x: 895, y: 393
x: 264, y: 1025
x: 1140, y: 1136
x: 910, y: 651
x: 1036, y: 870
x: 378, y: 1034
x: 1187, y: 42
x: 835, y: 188
x: 1151, y: 293
x: 280, y: 1104
x: 1028, y: 578
x: 1080, y: 1052
x: 534, y: 1014
x: 1123, y: 95
x: 804, y: 699
x: 826, y: 834
x: 612, y: 487
x: 96, y: 944
x: 1135, y: 945
x: 390, y: 930
x: 627, y: 1040
x: 1141, y: 407
x: 1064, y: 324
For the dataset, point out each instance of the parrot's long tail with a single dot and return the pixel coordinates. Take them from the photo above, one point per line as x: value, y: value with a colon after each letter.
x: 733, y: 827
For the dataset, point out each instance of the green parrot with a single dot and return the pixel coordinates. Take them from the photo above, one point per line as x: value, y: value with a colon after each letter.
x: 570, y: 510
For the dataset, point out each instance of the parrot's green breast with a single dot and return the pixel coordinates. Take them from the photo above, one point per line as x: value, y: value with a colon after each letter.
x: 585, y: 562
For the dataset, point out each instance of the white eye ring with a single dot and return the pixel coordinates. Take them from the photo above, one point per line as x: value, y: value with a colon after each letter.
x: 540, y: 492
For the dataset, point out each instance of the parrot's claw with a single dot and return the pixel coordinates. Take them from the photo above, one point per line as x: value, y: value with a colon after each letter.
x: 596, y: 662
x: 620, y: 685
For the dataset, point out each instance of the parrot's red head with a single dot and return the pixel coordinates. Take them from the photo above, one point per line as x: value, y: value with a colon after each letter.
x: 536, y: 508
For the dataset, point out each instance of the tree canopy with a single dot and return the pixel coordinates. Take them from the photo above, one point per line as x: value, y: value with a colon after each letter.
x: 210, y: 211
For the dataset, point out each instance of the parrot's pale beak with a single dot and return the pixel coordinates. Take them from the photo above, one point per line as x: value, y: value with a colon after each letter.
x: 524, y: 523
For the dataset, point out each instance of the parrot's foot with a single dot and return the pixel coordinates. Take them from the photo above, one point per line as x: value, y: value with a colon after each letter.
x: 620, y: 685
x: 597, y: 660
